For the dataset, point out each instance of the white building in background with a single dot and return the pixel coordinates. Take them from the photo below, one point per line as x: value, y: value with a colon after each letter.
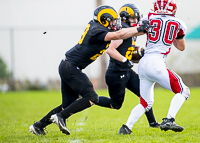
x: 37, y: 56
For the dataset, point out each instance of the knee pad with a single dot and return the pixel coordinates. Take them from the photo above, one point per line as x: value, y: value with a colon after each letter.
x: 186, y: 92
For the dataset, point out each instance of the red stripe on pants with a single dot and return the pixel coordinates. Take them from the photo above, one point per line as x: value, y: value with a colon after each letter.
x: 143, y: 102
x: 174, y: 83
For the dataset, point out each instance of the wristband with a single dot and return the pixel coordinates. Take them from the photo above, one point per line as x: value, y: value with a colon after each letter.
x: 124, y: 60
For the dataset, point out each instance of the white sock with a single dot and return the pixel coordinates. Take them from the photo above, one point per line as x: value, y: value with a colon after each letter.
x: 175, y: 105
x: 136, y: 113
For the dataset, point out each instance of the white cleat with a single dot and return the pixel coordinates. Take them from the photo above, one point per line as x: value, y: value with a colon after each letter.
x: 60, y: 123
x: 35, y: 130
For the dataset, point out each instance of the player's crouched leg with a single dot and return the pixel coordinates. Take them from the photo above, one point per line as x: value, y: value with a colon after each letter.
x: 178, y: 100
x: 80, y: 104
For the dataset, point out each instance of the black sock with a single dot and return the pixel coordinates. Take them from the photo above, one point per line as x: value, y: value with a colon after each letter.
x: 75, y: 107
x: 150, y: 116
x: 104, y: 102
x: 45, y: 120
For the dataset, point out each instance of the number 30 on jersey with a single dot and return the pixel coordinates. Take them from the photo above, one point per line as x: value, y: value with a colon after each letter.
x: 169, y: 33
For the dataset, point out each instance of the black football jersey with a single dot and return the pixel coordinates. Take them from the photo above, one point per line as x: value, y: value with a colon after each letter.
x: 90, y: 46
x: 125, y: 49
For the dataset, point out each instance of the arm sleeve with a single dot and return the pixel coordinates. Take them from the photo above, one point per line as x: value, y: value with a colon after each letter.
x: 182, y: 30
x: 180, y: 37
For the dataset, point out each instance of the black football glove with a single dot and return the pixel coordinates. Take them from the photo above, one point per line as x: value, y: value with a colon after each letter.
x: 144, y: 26
x: 129, y: 64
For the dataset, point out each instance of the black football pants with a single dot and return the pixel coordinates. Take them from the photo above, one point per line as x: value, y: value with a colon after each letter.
x: 74, y: 83
x: 117, y: 83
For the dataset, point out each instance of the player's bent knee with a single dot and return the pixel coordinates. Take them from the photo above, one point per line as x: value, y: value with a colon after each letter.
x: 148, y: 108
x: 94, y: 98
x: 116, y: 106
x: 186, y: 93
x: 146, y: 104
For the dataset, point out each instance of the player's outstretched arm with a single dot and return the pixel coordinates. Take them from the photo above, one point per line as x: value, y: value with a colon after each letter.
x: 125, y: 33
x: 179, y: 44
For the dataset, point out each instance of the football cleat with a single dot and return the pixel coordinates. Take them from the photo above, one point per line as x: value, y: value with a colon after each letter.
x: 36, y: 130
x: 169, y: 124
x: 154, y: 125
x: 124, y: 130
x: 60, y: 123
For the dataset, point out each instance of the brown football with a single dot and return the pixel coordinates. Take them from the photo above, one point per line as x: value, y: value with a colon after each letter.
x: 136, y: 56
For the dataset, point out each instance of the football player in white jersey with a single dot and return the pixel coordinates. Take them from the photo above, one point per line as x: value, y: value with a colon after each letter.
x: 165, y: 30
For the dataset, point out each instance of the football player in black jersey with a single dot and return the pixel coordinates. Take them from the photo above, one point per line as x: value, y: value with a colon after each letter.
x: 74, y: 83
x: 118, y: 75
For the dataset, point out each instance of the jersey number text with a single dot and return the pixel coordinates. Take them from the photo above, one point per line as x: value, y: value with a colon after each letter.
x: 168, y: 35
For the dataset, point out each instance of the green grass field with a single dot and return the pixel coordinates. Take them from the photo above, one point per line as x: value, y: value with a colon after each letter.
x: 18, y: 110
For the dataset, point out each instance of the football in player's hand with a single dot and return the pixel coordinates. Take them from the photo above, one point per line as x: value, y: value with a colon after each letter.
x: 138, y: 53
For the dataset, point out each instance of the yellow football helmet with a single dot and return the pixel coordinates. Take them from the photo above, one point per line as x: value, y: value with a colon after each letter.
x: 104, y: 14
x: 129, y: 10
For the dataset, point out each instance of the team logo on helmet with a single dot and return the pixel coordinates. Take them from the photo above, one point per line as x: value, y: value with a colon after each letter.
x: 104, y: 14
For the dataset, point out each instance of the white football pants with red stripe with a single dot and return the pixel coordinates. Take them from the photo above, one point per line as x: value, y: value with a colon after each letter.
x: 152, y: 69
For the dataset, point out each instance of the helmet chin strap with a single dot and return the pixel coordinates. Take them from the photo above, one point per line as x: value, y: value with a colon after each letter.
x: 112, y: 27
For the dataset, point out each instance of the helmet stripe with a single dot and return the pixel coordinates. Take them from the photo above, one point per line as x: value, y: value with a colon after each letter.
x: 157, y: 5
x: 167, y: 4
x: 161, y: 4
x: 128, y: 10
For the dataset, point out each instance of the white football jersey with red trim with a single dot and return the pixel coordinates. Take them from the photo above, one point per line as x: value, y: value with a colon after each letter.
x: 164, y: 29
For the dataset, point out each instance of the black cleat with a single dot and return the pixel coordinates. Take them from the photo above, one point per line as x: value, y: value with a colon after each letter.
x: 124, y: 130
x: 154, y: 125
x: 169, y: 124
x: 34, y: 129
x: 60, y: 123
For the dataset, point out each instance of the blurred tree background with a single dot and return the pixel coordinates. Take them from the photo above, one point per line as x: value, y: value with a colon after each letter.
x: 4, y: 73
x: 5, y: 76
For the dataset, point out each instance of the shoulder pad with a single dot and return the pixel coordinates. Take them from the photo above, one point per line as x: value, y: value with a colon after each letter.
x: 97, y: 28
